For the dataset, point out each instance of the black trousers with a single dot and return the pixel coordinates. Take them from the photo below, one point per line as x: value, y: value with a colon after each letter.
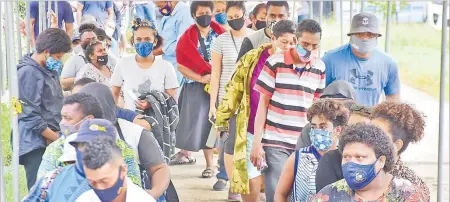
x: 31, y: 162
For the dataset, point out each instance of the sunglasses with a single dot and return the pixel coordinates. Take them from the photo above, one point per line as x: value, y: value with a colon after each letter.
x: 361, y: 109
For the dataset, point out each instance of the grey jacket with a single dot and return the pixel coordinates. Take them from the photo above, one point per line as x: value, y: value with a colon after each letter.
x: 42, y: 97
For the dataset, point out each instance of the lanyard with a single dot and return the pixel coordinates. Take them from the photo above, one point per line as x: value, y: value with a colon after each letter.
x: 202, y: 45
x: 234, y: 43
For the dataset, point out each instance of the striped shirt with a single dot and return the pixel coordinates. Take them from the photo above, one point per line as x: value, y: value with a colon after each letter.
x: 291, y: 93
x: 229, y: 49
x: 305, y: 167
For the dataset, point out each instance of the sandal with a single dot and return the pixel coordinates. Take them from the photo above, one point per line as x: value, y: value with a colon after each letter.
x: 177, y: 159
x: 207, y: 173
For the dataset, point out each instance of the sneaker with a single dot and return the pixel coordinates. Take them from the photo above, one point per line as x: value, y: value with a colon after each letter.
x: 262, y: 197
x: 220, y: 185
x: 234, y: 197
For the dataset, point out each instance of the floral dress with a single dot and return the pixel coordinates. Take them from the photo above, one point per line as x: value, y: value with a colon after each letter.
x: 399, y: 190
x: 89, y: 71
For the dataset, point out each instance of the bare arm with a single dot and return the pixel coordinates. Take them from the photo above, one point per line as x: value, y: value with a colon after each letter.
x: 260, y: 121
x: 69, y: 29
x: 67, y: 83
x: 49, y: 134
x: 79, y: 13
x: 393, y: 98
x: 172, y: 92
x: 110, y: 14
x: 188, y: 73
x: 139, y: 121
x: 116, y: 93
x: 215, y: 81
x: 160, y: 179
x: 285, y: 181
x: 32, y: 37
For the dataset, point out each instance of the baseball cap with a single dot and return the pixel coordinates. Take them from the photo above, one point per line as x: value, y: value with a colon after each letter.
x: 69, y: 153
x: 76, y: 36
x: 92, y: 128
x: 364, y: 22
x: 339, y: 89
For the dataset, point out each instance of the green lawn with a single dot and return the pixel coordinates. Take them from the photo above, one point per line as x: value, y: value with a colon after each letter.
x: 415, y: 47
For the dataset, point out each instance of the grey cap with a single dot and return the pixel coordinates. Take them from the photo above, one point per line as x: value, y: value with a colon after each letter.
x: 364, y: 22
x: 339, y: 87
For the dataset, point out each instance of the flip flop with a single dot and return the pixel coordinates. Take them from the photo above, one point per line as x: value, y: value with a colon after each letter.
x: 207, y: 173
x: 177, y: 160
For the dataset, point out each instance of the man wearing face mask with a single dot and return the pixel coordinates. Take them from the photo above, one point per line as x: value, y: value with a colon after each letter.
x: 172, y: 26
x: 370, y: 71
x: 288, y: 84
x: 276, y: 11
x: 259, y: 17
x: 42, y: 98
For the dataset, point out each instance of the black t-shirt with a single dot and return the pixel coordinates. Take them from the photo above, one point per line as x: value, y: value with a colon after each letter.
x: 329, y: 170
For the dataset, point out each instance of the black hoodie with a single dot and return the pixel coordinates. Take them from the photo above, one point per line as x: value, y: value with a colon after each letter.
x: 42, y: 97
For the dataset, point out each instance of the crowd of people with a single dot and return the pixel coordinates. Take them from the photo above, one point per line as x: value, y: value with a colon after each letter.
x: 287, y: 124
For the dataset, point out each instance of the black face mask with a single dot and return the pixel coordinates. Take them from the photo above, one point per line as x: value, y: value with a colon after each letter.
x: 203, y: 20
x: 236, y: 24
x: 260, y: 24
x: 102, y: 60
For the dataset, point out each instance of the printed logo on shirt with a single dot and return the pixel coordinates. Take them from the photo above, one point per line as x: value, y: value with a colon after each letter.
x: 354, y: 76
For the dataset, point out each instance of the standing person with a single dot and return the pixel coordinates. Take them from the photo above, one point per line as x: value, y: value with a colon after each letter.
x: 42, y: 98
x: 303, y: 11
x: 288, y: 84
x: 224, y: 52
x: 101, y: 10
x: 145, y: 10
x: 369, y: 70
x: 176, y: 19
x: 97, y: 68
x: 220, y: 16
x: 64, y: 16
x: 193, y: 57
x: 297, y: 181
x: 276, y: 11
x: 143, y: 68
x: 246, y: 177
x: 369, y: 157
x: 259, y: 19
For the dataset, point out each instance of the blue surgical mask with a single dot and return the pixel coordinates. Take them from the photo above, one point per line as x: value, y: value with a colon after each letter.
x: 221, y: 18
x: 79, y: 163
x: 363, y: 46
x: 53, y: 64
x: 305, y: 55
x: 144, y: 49
x: 359, y: 176
x: 111, y: 193
x: 321, y: 139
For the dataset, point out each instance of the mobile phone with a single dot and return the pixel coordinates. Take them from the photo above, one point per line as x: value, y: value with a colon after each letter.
x: 224, y: 136
x: 132, y: 95
x: 264, y: 166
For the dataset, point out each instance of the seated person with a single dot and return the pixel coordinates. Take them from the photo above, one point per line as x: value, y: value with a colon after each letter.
x: 368, y: 158
x: 327, y: 118
x: 105, y: 171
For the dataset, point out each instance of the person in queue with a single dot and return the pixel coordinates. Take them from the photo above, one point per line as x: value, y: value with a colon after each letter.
x: 288, y: 84
x: 143, y: 68
x: 121, y: 113
x: 224, y: 52
x: 276, y: 11
x: 247, y: 179
x: 220, y: 15
x: 69, y: 183
x: 194, y: 58
x: 369, y: 70
x: 41, y: 96
x: 76, y: 110
x: 97, y: 68
x: 105, y: 171
x: 327, y: 119
x: 174, y: 23
x: 155, y: 173
x: 101, y: 10
x: 259, y: 17
x: 368, y: 158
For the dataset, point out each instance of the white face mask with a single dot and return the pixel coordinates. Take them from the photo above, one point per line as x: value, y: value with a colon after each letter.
x: 363, y: 46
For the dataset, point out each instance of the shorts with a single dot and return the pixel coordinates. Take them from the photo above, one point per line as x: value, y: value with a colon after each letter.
x: 231, y: 140
x: 252, y: 171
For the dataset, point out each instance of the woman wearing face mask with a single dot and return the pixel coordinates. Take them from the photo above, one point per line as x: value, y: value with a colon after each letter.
x: 220, y: 16
x: 97, y: 68
x: 193, y: 57
x: 368, y: 158
x: 327, y: 120
x: 143, y: 67
x: 259, y: 17
x: 246, y: 177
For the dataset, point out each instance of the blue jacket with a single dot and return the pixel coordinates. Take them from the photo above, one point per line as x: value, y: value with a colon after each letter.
x: 42, y: 100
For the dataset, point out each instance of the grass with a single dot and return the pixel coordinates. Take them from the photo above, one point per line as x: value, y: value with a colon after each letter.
x: 415, y: 47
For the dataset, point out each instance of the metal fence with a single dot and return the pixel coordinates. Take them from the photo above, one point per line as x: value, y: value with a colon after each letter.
x: 11, y: 44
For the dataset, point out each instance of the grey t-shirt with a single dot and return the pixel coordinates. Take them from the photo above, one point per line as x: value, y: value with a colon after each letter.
x: 77, y: 62
x: 150, y: 154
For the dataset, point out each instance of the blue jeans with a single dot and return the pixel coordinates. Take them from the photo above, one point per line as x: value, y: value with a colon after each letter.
x: 222, y: 174
x: 146, y: 11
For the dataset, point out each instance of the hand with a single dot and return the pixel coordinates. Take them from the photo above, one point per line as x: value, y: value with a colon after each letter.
x: 212, y: 112
x: 205, y: 79
x: 142, y: 104
x: 22, y: 28
x: 257, y: 155
x: 53, y: 18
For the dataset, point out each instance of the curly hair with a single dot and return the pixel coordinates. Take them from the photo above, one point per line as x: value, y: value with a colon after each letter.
x: 373, y: 137
x: 334, y: 111
x: 100, y: 151
x: 406, y: 123
x: 139, y: 23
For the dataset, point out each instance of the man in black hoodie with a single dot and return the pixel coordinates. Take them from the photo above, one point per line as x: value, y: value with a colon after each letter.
x: 42, y: 97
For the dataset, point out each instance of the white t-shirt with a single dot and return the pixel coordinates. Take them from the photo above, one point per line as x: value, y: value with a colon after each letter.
x: 134, y: 193
x: 128, y: 75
